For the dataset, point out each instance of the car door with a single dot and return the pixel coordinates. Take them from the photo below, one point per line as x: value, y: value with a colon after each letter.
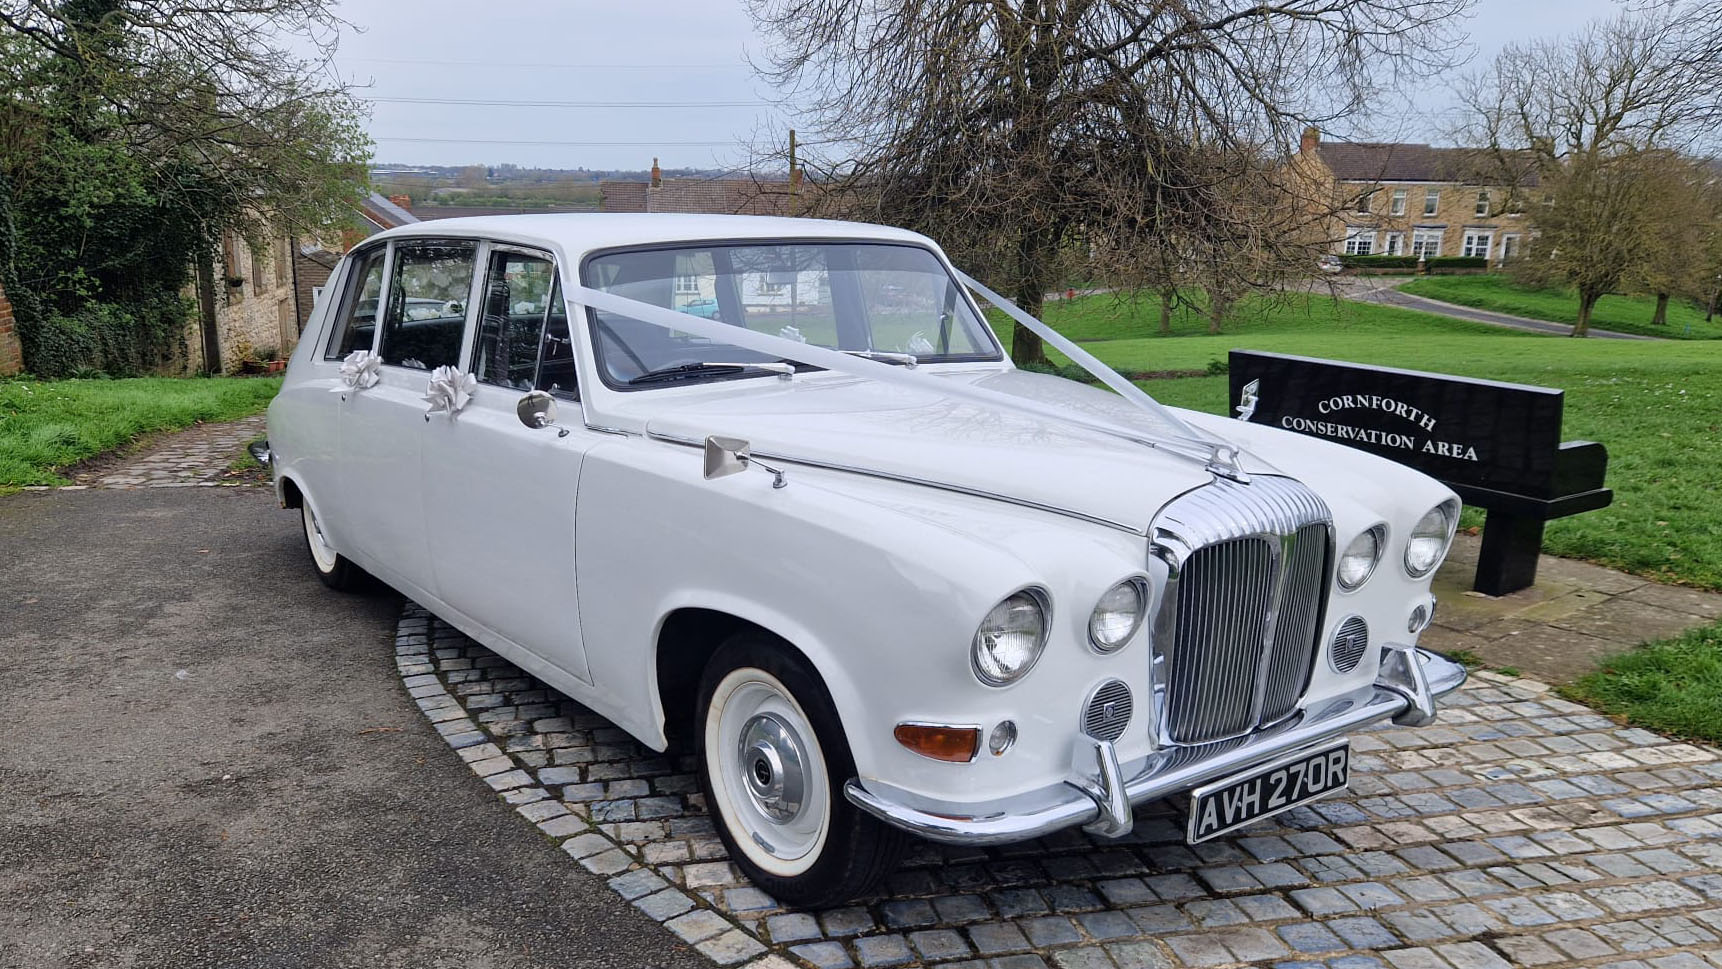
x: 421, y: 326
x: 501, y: 494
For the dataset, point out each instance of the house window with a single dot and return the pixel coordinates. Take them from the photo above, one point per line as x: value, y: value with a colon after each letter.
x: 1395, y: 243
x: 1509, y: 247
x: 1477, y: 245
x: 259, y: 278
x: 1363, y: 203
x: 1359, y: 242
x: 688, y: 285
x: 1431, y: 201
x: 1426, y: 243
x: 1399, y: 201
x: 1483, y: 203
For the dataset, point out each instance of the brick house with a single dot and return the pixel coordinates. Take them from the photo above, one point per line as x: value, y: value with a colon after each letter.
x: 264, y: 298
x: 707, y: 196
x: 11, y: 353
x: 1417, y: 200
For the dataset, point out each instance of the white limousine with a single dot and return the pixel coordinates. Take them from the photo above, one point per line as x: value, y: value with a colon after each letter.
x: 772, y: 491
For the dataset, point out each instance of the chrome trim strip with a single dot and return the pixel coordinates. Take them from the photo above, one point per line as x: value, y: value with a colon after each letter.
x: 909, y: 479
x: 1069, y: 803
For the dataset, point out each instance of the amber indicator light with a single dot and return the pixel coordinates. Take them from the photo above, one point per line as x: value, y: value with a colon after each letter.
x: 957, y: 745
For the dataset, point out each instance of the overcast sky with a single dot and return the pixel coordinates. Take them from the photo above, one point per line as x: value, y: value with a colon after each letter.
x: 687, y: 54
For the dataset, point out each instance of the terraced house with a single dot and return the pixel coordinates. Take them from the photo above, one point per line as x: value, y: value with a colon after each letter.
x: 1403, y: 199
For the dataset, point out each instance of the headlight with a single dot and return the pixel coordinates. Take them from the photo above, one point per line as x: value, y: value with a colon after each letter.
x: 1429, y: 540
x: 1011, y: 638
x: 1118, y: 615
x: 1360, y: 558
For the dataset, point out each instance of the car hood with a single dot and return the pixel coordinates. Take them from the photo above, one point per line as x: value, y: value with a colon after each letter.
x: 851, y: 423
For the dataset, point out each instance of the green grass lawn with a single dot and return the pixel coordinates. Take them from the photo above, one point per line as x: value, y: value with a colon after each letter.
x: 46, y: 425
x: 1117, y: 317
x: 1674, y: 686
x: 1657, y: 406
x: 1626, y: 314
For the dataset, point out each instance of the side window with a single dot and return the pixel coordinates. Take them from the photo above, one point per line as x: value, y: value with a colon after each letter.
x: 426, y: 315
x: 356, y: 319
x: 523, y: 341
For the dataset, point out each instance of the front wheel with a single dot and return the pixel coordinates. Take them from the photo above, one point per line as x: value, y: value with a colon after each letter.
x: 773, y: 764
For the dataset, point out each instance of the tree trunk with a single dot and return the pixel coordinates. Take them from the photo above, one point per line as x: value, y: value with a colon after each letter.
x: 206, y: 313
x: 1710, y: 311
x: 1166, y: 296
x: 1219, y: 307
x: 1661, y: 316
x: 1034, y: 250
x: 1586, y: 301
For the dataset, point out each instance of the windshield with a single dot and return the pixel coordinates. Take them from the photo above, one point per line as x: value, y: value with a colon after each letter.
x: 862, y: 297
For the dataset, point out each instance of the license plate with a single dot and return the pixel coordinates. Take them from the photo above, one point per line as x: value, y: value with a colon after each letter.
x: 1229, y: 804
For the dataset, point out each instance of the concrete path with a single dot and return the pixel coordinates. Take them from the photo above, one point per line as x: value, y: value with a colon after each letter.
x: 208, y: 760
x: 1385, y: 290
x: 1558, y: 629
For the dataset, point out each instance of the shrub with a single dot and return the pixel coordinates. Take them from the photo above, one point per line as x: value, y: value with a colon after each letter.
x: 1069, y: 371
x: 1457, y: 262
x: 1379, y: 262
x: 104, y: 337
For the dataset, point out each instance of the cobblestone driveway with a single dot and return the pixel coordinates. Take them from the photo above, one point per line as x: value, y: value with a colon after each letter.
x: 1521, y: 830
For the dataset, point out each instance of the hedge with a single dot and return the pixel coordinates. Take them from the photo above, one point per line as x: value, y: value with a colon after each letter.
x: 1458, y: 262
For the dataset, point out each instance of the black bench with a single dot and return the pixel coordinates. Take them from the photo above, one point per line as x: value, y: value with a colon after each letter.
x: 1497, y: 445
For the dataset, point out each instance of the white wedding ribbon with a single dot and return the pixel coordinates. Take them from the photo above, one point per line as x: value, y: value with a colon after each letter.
x: 1183, y: 440
x: 360, y: 369
x: 449, y: 390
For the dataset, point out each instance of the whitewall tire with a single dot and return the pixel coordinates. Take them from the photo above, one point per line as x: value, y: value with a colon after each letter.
x: 773, y: 762
x: 332, y: 567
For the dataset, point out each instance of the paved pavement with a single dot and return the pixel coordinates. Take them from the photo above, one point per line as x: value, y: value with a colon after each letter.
x: 1385, y: 290
x: 208, y: 761
x: 1576, y: 614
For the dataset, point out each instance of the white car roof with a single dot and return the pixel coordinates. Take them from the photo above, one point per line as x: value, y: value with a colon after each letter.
x: 579, y: 232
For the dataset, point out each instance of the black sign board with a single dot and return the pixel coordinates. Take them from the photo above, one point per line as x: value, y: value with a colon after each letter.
x: 1503, y: 437
x: 1498, y: 445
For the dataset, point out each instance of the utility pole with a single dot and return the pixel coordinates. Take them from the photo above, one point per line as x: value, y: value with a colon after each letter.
x: 794, y: 176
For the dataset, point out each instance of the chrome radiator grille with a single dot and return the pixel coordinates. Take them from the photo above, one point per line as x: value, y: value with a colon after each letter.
x: 1250, y: 576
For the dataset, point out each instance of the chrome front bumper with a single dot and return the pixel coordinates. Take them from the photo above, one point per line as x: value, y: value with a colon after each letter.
x: 1098, y: 796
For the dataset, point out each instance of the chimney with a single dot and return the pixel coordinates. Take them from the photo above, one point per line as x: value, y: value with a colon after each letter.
x: 404, y: 201
x: 657, y: 175
x: 1311, y: 139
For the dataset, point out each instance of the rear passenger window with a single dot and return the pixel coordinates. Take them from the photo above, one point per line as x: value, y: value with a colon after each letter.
x: 356, y: 318
x: 523, y: 341
x: 426, y: 314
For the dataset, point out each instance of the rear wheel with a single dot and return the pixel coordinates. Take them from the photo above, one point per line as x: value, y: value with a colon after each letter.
x: 773, y: 763
x: 332, y: 567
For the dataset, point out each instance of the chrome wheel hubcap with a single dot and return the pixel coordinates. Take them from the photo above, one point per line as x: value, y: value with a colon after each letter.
x: 773, y: 767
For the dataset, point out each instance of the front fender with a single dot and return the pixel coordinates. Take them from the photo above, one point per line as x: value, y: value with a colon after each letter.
x: 879, y: 584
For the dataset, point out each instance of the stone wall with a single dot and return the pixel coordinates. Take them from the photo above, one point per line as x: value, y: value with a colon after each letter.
x: 256, y: 310
x: 1455, y: 215
x: 310, y: 273
x: 11, y: 353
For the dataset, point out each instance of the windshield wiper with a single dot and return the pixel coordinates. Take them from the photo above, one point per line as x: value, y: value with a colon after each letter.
x: 884, y: 356
x: 706, y: 369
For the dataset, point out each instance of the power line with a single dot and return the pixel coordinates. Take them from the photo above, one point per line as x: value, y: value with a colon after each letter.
x: 563, y: 144
x: 506, y: 103
x: 567, y: 67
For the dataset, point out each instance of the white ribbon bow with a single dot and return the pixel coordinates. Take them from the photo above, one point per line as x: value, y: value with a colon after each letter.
x: 360, y: 369
x: 449, y: 390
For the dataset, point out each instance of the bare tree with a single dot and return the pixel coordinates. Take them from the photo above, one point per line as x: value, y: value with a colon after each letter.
x: 1598, y: 112
x: 1132, y: 133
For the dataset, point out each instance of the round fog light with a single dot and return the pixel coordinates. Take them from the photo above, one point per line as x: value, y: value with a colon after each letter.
x: 1003, y: 736
x: 1419, y: 619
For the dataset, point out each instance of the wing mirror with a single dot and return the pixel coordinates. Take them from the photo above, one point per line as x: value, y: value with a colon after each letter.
x: 537, y: 410
x: 732, y: 455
